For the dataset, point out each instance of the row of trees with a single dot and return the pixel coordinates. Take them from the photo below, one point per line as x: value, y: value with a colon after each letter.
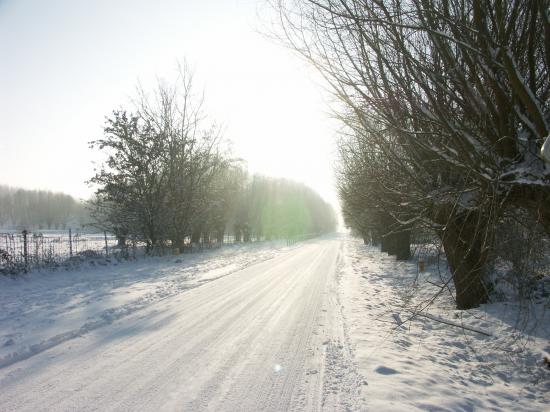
x: 446, y: 107
x: 168, y: 177
x: 39, y: 209
x: 279, y: 208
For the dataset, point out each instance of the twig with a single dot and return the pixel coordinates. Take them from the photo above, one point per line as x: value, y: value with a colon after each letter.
x: 458, y: 325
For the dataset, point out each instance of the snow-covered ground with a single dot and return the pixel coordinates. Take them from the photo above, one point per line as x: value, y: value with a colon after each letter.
x: 419, y: 363
x: 42, y: 309
x: 322, y: 325
x: 242, y: 329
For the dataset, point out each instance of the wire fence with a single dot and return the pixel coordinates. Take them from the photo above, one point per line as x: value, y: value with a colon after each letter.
x: 23, y: 251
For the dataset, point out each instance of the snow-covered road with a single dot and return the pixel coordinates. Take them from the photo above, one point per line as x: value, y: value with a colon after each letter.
x: 249, y: 327
x: 266, y: 337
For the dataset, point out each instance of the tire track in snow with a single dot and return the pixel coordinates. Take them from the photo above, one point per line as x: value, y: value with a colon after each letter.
x: 211, y: 348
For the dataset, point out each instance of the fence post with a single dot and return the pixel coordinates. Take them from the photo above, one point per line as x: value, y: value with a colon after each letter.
x: 106, y: 246
x: 70, y: 243
x: 25, y: 250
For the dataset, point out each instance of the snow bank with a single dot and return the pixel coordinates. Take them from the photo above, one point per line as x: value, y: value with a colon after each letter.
x: 429, y: 361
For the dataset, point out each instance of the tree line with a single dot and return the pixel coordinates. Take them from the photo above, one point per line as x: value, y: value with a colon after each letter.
x: 169, y: 178
x: 39, y: 209
x: 279, y: 208
x: 445, y: 106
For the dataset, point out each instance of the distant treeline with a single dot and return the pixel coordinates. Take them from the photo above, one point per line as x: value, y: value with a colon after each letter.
x: 246, y: 206
x: 277, y: 208
x: 39, y: 209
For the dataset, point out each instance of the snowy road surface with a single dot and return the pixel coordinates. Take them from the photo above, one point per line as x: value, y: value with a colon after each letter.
x: 314, y: 326
x: 266, y: 337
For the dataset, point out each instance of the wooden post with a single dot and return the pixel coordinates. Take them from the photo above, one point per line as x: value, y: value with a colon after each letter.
x: 106, y: 246
x: 70, y: 243
x: 25, y: 250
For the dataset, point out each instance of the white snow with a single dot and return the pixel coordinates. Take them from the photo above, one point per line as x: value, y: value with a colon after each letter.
x: 420, y: 363
x: 240, y: 329
x: 40, y: 310
x: 328, y: 324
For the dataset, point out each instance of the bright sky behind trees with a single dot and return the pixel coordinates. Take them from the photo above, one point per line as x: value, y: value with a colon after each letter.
x: 65, y: 65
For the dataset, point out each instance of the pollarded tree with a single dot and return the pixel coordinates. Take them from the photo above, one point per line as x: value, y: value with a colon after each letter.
x: 371, y: 195
x: 455, y: 93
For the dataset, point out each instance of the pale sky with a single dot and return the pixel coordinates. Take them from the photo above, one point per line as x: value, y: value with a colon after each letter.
x: 65, y: 65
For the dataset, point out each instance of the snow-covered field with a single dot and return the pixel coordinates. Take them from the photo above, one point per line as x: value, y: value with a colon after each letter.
x: 321, y: 325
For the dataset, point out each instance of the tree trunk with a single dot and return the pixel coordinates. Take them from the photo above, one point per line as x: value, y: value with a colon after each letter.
x: 121, y: 241
x: 465, y: 242
x: 196, y: 236
x: 535, y: 200
x: 376, y: 239
x: 396, y: 240
x: 181, y: 243
x: 384, y: 244
x: 398, y: 244
x: 402, y: 245
x: 220, y: 235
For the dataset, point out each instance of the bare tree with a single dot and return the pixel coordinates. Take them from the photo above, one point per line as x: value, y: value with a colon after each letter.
x: 161, y: 160
x: 454, y: 96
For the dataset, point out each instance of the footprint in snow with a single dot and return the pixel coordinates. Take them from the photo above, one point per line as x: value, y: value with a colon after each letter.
x: 384, y: 370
